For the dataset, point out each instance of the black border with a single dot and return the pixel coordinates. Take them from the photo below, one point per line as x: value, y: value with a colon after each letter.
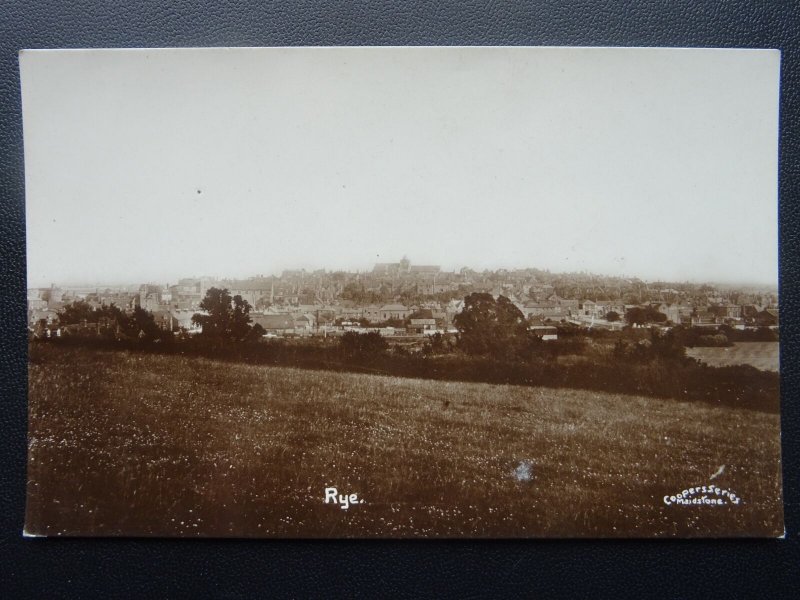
x: 223, y: 568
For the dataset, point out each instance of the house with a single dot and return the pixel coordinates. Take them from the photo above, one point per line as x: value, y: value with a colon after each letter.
x: 567, y: 304
x: 727, y: 311
x: 750, y: 312
x: 387, y: 311
x: 36, y: 303
x: 422, y: 325
x: 441, y: 318
x: 429, y: 289
x: 685, y: 311
x: 372, y: 313
x: 280, y: 324
x: 350, y: 313
x: 455, y: 306
x: 590, y: 309
x: 304, y: 323
x: 48, y: 315
x: 544, y: 310
x: 149, y: 301
x: 767, y: 318
x: 671, y: 311
x: 284, y: 323
x: 253, y: 290
x: 703, y: 318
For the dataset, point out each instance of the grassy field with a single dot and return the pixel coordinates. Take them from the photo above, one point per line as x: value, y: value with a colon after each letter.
x: 137, y: 444
x: 761, y: 355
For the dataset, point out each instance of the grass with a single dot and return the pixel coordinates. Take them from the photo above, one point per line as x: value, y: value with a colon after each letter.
x: 138, y: 444
x: 761, y: 355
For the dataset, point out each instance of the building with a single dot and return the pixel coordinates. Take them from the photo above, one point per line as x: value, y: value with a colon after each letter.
x: 276, y: 324
x: 379, y: 314
x: 671, y: 311
x: 304, y: 323
x: 419, y: 326
x: 404, y: 267
x: 430, y: 289
x: 767, y: 318
x: 544, y: 310
x: 727, y: 311
x: 284, y: 323
x: 252, y: 290
x: 48, y: 315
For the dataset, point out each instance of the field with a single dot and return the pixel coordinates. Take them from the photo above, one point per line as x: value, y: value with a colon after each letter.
x: 141, y: 444
x: 761, y: 355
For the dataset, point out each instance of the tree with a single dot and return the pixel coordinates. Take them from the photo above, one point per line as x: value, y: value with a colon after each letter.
x: 635, y: 316
x: 640, y: 315
x: 256, y: 333
x: 141, y: 325
x: 228, y: 317
x: 439, y: 344
x: 612, y: 316
x: 491, y: 327
x: 109, y: 312
x: 40, y: 330
x: 363, y: 346
x: 77, y: 312
x: 476, y: 323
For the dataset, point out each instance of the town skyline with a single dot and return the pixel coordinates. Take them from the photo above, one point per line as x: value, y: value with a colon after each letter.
x: 391, y: 293
x: 366, y: 269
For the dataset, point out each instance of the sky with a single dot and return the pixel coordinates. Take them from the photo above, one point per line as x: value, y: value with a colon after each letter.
x: 151, y: 165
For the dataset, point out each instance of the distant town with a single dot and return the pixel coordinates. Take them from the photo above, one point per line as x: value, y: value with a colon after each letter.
x: 402, y: 298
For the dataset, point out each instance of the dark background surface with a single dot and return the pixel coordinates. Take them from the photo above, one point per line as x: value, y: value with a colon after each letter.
x: 227, y: 568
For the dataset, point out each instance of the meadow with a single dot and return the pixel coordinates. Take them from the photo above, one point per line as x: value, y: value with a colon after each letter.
x: 761, y: 355
x: 126, y: 443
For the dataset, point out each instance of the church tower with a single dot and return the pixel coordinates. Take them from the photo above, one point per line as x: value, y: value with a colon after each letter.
x: 404, y: 264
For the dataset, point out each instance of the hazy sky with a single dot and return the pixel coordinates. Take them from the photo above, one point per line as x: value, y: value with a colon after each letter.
x: 149, y: 165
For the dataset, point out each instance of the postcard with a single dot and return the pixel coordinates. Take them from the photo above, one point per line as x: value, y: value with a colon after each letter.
x: 417, y: 292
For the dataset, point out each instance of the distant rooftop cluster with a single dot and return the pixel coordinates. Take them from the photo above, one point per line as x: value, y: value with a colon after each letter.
x: 424, y: 296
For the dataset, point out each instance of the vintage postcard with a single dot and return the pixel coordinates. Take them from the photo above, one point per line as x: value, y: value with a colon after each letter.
x: 403, y: 292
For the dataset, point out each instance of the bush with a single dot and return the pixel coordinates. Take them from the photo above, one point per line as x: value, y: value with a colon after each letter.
x: 256, y: 333
x: 362, y: 345
x: 712, y: 341
x: 761, y: 334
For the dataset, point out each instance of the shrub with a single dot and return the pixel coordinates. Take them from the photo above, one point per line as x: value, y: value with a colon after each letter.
x: 362, y: 345
x: 713, y: 341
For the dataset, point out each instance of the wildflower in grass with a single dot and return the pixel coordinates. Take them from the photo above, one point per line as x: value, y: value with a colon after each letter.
x: 524, y: 471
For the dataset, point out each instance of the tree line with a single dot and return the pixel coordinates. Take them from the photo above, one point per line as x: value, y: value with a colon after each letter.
x: 493, y: 344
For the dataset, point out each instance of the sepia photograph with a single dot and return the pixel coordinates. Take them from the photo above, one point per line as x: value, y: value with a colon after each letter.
x: 402, y: 292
